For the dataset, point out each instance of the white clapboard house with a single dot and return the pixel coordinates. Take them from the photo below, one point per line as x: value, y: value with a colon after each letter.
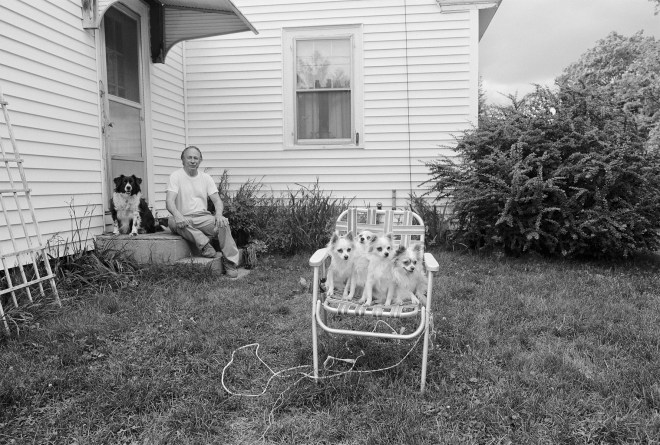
x: 356, y: 94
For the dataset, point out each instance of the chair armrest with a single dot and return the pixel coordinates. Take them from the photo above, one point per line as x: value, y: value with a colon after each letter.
x: 431, y: 263
x: 319, y: 256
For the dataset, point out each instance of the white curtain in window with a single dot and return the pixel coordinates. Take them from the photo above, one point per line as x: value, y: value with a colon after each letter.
x: 325, y: 115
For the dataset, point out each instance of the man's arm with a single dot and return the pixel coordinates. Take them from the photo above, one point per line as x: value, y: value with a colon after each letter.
x: 220, y: 221
x: 170, y: 204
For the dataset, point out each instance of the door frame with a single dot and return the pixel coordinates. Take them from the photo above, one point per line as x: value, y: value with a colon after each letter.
x: 141, y: 10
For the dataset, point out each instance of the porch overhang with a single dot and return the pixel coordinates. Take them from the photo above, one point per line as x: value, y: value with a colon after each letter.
x: 172, y: 21
x: 487, y: 10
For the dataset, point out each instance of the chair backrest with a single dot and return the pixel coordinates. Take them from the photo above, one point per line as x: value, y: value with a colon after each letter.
x: 406, y: 226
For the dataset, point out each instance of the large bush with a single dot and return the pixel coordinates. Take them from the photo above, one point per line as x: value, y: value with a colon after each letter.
x: 557, y: 173
x: 625, y: 72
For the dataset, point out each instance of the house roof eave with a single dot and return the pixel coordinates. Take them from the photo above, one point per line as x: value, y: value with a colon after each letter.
x: 487, y: 10
x: 458, y: 5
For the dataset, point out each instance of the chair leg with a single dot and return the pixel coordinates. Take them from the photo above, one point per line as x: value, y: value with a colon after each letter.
x: 425, y: 353
x: 321, y: 297
x: 315, y: 351
x: 324, y: 316
x: 427, y: 329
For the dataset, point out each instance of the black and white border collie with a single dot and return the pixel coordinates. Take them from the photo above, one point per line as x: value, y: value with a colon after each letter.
x: 130, y: 212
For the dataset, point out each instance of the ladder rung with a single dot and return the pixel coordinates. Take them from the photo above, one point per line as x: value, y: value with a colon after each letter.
x: 15, y: 190
x: 21, y: 252
x: 11, y: 160
x: 29, y: 283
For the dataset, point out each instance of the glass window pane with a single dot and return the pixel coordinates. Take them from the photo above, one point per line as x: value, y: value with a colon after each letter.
x: 125, y: 133
x: 324, y: 115
x: 121, y: 54
x: 324, y: 63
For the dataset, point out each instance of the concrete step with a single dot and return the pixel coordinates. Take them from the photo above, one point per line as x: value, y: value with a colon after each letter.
x: 159, y: 248
x: 206, y: 262
x: 156, y: 248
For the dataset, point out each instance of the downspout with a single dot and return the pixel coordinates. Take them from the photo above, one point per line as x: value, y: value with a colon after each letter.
x: 474, y: 66
x: 185, y: 93
x: 405, y: 30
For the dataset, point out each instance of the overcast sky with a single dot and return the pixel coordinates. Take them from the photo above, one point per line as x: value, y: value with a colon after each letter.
x: 532, y: 41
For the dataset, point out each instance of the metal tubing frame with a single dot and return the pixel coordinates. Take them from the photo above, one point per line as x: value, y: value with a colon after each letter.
x: 319, y: 322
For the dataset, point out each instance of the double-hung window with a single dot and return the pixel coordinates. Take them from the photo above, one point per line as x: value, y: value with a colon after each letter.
x: 323, y: 87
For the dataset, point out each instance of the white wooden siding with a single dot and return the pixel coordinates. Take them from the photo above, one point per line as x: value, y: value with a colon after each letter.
x: 415, y: 101
x: 168, y: 122
x: 48, y: 75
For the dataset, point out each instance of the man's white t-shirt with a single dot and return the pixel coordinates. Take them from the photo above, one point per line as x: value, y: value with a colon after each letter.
x: 191, y: 191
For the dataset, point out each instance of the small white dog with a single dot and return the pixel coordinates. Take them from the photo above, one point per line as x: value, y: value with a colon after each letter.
x: 359, y: 275
x: 342, y: 254
x: 360, y: 263
x: 363, y: 240
x: 378, y: 282
x: 409, y: 281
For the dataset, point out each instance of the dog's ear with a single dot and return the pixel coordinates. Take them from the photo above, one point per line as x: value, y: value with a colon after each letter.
x: 373, y: 240
x: 390, y: 236
x: 137, y: 180
x: 418, y: 250
x: 335, y: 237
x: 118, y: 179
x: 401, y: 249
x: 349, y: 235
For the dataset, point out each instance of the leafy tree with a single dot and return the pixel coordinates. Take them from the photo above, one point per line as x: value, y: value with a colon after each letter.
x: 624, y: 72
x: 560, y: 173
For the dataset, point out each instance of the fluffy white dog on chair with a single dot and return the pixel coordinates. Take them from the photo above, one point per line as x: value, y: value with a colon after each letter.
x: 363, y: 240
x: 409, y: 282
x: 378, y: 281
x: 342, y: 254
x: 360, y: 263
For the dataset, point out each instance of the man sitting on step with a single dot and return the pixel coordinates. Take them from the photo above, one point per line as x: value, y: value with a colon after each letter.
x: 187, y: 193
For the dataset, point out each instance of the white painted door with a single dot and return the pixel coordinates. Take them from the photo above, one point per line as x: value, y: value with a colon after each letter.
x: 124, y: 120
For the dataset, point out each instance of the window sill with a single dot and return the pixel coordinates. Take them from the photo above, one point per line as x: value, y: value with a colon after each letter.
x: 323, y: 147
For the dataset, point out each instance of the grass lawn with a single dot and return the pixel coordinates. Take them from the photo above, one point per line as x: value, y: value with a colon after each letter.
x: 524, y: 351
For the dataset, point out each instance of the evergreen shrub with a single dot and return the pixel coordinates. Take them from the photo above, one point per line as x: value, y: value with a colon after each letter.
x: 559, y: 173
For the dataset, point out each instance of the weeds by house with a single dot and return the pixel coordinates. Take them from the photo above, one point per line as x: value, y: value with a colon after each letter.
x: 436, y: 220
x: 525, y: 351
x: 299, y: 220
x: 33, y: 297
x: 80, y: 264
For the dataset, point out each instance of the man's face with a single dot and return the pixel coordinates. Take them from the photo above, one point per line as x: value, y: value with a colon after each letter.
x: 191, y: 160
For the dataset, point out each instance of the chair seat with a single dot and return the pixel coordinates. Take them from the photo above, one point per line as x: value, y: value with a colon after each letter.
x: 352, y: 307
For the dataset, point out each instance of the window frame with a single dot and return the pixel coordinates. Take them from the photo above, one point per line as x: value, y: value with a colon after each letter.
x: 289, y: 91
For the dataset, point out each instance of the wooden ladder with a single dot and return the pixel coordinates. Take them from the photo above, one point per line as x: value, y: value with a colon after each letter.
x: 16, y: 264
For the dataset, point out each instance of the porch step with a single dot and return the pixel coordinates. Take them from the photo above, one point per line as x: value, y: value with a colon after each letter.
x: 206, y: 262
x: 159, y: 248
x: 156, y: 248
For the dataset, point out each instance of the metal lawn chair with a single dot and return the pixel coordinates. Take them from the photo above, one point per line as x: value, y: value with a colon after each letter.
x: 407, y: 228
